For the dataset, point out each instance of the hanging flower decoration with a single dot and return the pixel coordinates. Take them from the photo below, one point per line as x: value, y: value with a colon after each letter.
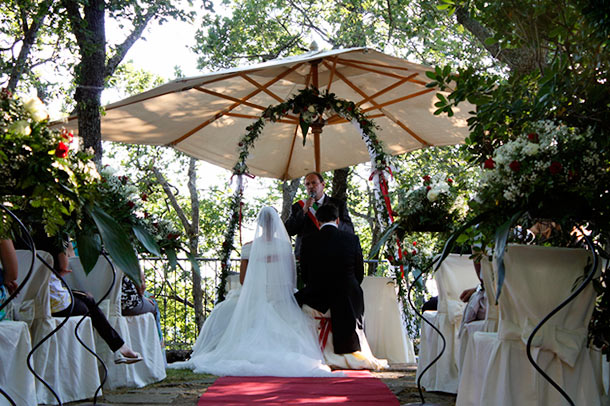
x: 310, y: 107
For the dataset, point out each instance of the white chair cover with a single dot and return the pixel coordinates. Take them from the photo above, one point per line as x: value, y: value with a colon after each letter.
x: 383, y: 325
x: 139, y: 332
x: 496, y: 370
x: 61, y: 360
x: 455, y: 274
x: 15, y: 377
x: 490, y: 324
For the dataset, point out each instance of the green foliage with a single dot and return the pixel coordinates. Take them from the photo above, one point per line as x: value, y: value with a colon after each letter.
x: 39, y: 175
x: 263, y: 30
x: 557, y: 53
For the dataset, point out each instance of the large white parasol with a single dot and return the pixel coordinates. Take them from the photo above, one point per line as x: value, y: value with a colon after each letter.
x: 206, y: 116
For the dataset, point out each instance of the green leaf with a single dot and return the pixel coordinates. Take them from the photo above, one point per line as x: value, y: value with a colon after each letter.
x: 172, y: 258
x: 146, y: 239
x: 117, y: 243
x: 490, y: 41
x: 304, y: 128
x: 383, y: 238
x: 89, y: 247
x: 499, y: 248
x: 194, y: 262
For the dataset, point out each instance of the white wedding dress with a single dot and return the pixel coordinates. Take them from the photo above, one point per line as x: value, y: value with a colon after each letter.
x: 268, y: 334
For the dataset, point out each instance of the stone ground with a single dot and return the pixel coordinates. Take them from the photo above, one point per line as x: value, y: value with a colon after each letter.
x: 183, y: 388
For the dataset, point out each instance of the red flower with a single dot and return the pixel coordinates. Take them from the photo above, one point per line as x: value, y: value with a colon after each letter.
x: 66, y: 135
x: 533, y: 137
x: 146, y: 215
x: 489, y: 164
x: 555, y: 168
x: 428, y: 187
x: 426, y: 178
x: 515, y: 166
x: 173, y: 236
x: 414, y: 252
x: 144, y: 196
x: 414, y: 243
x: 62, y: 150
x: 131, y: 204
x: 449, y: 180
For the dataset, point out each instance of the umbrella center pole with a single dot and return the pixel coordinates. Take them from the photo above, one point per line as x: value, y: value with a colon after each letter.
x: 316, y: 130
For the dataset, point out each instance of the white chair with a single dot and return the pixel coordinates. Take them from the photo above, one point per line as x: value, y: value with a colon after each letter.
x: 455, y: 274
x: 139, y: 332
x: 383, y: 324
x: 15, y: 377
x: 490, y: 323
x: 496, y: 370
x: 61, y: 360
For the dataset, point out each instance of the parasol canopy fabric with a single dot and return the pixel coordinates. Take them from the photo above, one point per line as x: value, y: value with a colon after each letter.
x: 206, y: 116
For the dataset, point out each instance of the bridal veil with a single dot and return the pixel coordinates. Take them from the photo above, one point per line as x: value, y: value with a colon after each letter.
x: 268, y: 334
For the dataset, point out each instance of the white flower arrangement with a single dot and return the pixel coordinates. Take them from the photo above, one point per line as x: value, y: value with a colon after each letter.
x: 550, y: 159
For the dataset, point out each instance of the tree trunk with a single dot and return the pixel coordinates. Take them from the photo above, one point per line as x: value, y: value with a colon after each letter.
x: 191, y: 228
x: 519, y: 60
x: 90, y: 79
x: 194, y: 242
x: 339, y: 187
x: 289, y: 191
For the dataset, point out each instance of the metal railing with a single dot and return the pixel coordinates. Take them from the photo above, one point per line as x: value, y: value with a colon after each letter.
x: 173, y: 290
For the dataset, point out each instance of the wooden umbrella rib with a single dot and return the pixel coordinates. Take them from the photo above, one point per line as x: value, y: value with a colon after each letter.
x: 294, y: 139
x: 364, y: 68
x: 335, y: 119
x: 387, y: 89
x: 250, y: 116
x: 394, y: 101
x: 263, y: 88
x: 234, y: 105
x: 294, y: 136
x: 381, y: 109
x: 379, y: 65
x: 230, y: 98
x: 404, y: 127
x: 331, y: 72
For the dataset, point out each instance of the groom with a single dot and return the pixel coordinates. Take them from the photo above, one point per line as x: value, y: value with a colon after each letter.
x: 332, y: 266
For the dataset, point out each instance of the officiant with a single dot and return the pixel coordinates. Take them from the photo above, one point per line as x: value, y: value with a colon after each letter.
x: 302, y: 220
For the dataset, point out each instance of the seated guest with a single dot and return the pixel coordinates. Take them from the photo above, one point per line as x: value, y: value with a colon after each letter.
x: 8, y: 272
x: 135, y: 300
x: 476, y: 300
x: 83, y: 302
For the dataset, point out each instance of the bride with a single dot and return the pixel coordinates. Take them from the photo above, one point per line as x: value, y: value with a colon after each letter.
x: 268, y: 334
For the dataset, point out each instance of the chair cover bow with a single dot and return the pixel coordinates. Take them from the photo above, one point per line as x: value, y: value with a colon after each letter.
x: 564, y: 343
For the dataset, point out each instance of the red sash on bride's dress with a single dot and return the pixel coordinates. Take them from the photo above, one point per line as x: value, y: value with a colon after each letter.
x: 310, y: 214
x: 325, y: 329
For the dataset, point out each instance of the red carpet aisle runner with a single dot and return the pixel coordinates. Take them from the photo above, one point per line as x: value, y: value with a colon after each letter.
x: 358, y: 388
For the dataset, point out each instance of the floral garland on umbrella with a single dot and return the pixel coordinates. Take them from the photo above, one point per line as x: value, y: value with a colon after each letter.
x: 312, y: 107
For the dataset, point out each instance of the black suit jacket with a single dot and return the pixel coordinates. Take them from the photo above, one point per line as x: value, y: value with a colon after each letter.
x: 300, y: 224
x: 333, y: 268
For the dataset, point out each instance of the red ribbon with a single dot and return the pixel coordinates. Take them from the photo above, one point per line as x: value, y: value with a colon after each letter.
x: 383, y: 185
x: 325, y: 329
x: 312, y: 217
x: 240, y: 205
